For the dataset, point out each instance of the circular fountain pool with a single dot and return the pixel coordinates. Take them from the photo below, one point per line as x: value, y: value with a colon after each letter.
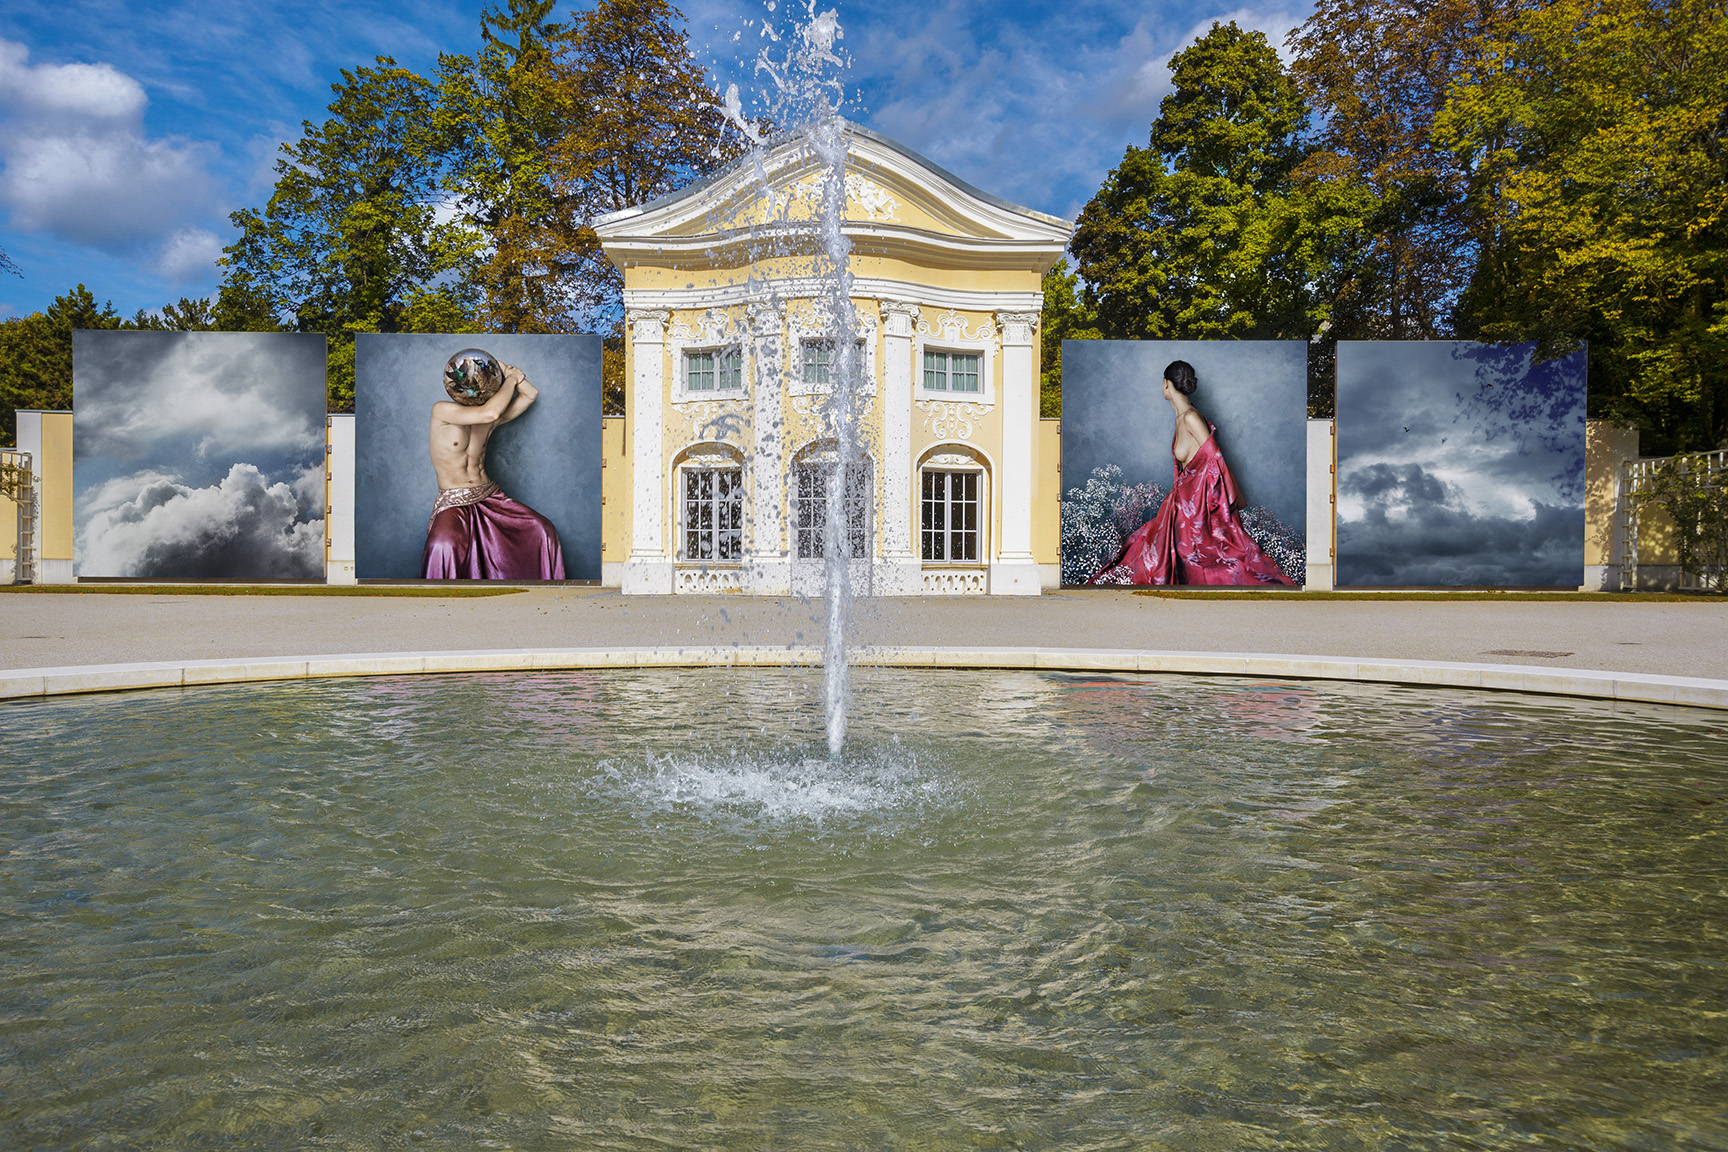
x: 645, y: 910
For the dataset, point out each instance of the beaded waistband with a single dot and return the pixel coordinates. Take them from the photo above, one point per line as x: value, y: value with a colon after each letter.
x: 460, y: 497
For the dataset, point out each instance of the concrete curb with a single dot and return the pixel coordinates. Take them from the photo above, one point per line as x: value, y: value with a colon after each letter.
x: 41, y: 683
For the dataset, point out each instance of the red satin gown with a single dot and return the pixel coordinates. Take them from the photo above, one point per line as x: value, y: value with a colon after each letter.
x: 1195, y: 538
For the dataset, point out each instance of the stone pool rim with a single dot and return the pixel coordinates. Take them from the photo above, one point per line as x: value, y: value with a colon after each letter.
x: 28, y: 684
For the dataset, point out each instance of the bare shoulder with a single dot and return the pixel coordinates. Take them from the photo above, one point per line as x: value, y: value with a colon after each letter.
x: 443, y: 410
x: 1195, y: 425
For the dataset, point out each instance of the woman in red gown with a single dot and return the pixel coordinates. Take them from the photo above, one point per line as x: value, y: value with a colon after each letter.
x: 1196, y: 537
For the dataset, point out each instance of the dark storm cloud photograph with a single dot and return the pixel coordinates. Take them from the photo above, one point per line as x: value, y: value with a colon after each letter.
x: 1459, y: 465
x: 198, y: 454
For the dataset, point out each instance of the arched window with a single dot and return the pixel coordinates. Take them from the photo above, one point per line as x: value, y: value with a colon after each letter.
x: 710, y: 497
x: 953, y: 507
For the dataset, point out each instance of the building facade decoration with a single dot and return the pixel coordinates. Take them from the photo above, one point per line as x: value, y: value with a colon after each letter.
x: 727, y: 352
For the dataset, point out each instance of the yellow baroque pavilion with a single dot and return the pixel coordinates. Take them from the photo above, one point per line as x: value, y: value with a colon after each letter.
x: 727, y: 356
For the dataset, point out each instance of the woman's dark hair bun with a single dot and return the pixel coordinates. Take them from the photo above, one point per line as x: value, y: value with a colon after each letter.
x: 1180, y: 373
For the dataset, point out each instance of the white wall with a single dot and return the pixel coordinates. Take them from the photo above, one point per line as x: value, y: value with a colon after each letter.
x: 1322, y: 505
x: 339, y: 499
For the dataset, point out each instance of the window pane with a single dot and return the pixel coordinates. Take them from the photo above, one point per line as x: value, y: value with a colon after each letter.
x: 817, y: 355
x: 699, y: 371
x: 951, y: 512
x: 964, y: 370
x: 812, y: 510
x: 936, y: 371
x: 729, y: 373
x: 713, y: 513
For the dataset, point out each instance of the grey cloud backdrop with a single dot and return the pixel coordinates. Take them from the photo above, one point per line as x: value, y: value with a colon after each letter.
x: 129, y: 131
x: 1254, y: 391
x: 548, y: 458
x: 1459, y: 464
x: 198, y: 454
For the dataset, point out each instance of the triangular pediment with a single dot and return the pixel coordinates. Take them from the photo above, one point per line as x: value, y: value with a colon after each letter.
x: 897, y: 203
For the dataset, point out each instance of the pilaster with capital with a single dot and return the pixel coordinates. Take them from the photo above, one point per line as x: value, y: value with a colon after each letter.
x: 899, y: 323
x: 1016, y: 572
x: 767, y: 569
x: 648, y: 567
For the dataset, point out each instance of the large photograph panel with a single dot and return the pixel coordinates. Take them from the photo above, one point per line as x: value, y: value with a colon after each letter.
x: 547, y: 459
x: 1117, y: 468
x: 1459, y: 464
x: 198, y: 455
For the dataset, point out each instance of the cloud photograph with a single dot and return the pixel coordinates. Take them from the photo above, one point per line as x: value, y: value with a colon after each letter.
x: 1459, y: 464
x: 198, y: 455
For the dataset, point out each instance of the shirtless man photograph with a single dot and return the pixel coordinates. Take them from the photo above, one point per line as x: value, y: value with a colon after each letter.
x: 477, y: 532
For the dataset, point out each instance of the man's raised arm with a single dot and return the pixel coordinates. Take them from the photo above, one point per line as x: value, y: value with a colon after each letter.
x: 491, y: 412
x: 526, y: 394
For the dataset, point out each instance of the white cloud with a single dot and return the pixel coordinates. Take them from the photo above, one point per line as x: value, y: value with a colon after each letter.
x: 189, y: 255
x: 149, y: 524
x: 223, y: 393
x: 75, y: 161
x: 1037, y: 111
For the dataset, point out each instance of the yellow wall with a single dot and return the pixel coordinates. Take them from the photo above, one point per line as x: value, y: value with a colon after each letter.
x: 56, y: 473
x: 1047, y: 497
x: 657, y: 277
x: 614, y: 490
x: 1606, y: 447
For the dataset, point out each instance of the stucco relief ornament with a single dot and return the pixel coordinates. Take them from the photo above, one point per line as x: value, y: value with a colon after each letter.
x: 872, y: 197
x: 950, y: 325
x: 951, y: 419
x: 647, y: 325
x: 1018, y: 327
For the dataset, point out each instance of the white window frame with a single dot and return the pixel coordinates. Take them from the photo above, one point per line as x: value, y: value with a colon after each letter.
x: 718, y: 352
x: 982, y: 559
x: 802, y: 334
x: 712, y: 464
x: 985, y: 350
x: 947, y: 373
x: 682, y: 393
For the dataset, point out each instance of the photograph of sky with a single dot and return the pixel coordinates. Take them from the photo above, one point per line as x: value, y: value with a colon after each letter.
x: 1459, y: 464
x: 198, y: 454
x: 129, y: 131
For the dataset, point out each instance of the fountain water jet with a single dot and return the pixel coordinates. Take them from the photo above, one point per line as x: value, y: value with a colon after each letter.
x: 806, y: 96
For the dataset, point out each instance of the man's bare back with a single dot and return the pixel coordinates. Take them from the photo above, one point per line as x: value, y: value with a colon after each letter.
x: 460, y: 433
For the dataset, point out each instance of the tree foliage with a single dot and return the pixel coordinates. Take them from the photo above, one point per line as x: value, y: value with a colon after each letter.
x: 37, y: 352
x: 501, y: 113
x: 1596, y: 134
x: 351, y: 239
x: 1224, y: 226
x: 650, y: 127
x: 1378, y: 73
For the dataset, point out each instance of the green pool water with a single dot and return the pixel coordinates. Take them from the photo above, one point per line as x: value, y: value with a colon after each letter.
x: 645, y: 911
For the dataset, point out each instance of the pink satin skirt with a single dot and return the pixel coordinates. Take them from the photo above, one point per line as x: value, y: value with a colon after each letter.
x: 495, y: 538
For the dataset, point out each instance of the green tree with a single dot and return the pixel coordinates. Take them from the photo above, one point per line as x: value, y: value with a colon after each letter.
x: 1597, y: 140
x: 649, y: 127
x: 1224, y: 226
x: 1378, y: 72
x: 230, y: 310
x: 350, y: 240
x: 37, y: 352
x: 501, y: 114
x: 1065, y: 317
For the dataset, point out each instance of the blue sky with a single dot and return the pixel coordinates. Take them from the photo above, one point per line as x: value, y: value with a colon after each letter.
x: 129, y: 130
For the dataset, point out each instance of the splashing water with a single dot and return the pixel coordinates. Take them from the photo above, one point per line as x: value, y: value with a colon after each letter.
x: 777, y: 792
x: 805, y: 95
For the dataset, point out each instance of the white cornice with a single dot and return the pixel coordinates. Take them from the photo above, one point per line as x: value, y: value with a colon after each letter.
x: 810, y: 287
